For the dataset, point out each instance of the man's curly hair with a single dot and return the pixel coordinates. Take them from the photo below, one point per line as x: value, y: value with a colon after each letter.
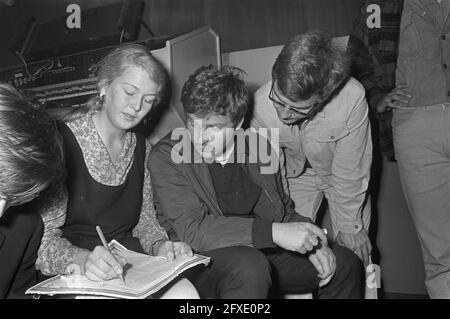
x: 212, y: 91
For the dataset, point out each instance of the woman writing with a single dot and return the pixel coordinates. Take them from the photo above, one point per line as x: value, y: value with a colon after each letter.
x: 107, y: 183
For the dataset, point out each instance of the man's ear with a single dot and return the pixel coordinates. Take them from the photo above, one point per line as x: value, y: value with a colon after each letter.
x: 3, y: 206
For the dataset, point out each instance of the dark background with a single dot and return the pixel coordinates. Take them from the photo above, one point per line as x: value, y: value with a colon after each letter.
x: 241, y: 24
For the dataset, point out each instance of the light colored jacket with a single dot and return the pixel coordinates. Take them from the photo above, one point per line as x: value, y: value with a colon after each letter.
x: 338, y: 145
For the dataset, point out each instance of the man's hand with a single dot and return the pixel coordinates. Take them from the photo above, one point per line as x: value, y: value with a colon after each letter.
x: 325, y: 262
x: 172, y: 250
x: 296, y: 236
x: 359, y: 243
x: 397, y: 98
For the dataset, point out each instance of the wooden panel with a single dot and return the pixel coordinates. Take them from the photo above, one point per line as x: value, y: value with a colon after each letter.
x: 241, y: 24
x: 248, y: 24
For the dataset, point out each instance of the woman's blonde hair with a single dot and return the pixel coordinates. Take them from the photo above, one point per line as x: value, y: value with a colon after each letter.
x: 114, y: 64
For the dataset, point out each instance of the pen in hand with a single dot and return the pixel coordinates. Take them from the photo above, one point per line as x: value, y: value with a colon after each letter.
x: 105, y: 244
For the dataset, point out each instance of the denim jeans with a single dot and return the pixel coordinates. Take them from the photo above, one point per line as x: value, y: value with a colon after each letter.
x: 422, y: 147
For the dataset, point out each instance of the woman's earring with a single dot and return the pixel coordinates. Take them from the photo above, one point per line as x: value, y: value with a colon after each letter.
x: 100, y: 101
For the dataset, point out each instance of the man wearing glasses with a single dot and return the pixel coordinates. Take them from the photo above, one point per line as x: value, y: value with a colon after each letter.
x: 325, y: 138
x: 30, y: 157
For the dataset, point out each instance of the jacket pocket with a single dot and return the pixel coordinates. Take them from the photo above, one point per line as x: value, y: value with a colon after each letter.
x: 321, y: 151
x: 333, y: 134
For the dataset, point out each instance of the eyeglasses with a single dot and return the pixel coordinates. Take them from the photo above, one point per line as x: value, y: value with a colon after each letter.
x: 304, y: 111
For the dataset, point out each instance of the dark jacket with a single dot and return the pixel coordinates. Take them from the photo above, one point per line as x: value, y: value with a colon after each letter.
x: 20, y: 237
x: 188, y: 208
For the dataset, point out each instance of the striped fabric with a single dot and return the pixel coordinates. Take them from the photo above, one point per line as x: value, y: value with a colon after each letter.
x: 374, y: 52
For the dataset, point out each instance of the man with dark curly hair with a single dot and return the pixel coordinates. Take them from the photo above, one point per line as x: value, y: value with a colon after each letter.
x: 217, y: 197
x: 30, y: 157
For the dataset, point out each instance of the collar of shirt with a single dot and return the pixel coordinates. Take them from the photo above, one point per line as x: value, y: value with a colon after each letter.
x: 225, y: 158
x: 95, y: 153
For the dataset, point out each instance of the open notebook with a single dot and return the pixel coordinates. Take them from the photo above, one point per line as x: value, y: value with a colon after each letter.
x: 144, y: 275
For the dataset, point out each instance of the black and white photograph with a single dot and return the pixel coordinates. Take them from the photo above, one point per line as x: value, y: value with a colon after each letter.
x: 224, y: 157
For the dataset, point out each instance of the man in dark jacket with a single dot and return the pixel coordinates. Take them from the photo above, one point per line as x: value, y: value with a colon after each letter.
x: 213, y: 192
x: 30, y: 156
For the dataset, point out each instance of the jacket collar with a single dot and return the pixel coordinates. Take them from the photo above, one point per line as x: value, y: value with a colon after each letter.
x: 204, y: 180
x: 446, y: 13
x: 434, y: 9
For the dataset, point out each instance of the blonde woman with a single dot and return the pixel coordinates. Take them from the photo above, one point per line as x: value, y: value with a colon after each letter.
x: 107, y: 183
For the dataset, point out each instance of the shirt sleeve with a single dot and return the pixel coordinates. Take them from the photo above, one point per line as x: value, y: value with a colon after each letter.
x: 351, y: 171
x: 148, y: 230
x: 262, y: 229
x: 55, y: 252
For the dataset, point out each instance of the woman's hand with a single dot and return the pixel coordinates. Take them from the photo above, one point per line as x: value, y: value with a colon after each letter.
x: 101, y: 265
x: 172, y: 250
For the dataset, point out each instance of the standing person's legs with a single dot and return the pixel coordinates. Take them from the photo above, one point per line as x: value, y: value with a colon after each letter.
x: 294, y: 273
x: 306, y: 194
x: 421, y: 141
x: 233, y: 273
